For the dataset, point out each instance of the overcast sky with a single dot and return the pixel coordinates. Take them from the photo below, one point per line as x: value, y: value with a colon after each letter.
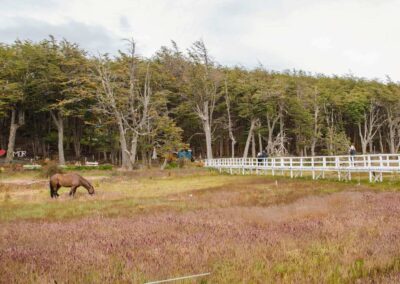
x: 359, y: 37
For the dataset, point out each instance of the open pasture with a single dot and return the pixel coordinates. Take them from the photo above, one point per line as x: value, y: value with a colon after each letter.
x: 150, y: 225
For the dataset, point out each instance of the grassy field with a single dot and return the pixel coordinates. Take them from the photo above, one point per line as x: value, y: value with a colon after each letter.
x: 150, y: 225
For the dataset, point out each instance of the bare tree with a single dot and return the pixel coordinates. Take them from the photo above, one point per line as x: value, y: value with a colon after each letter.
x: 131, y: 114
x: 203, y: 88
x: 230, y: 127
x: 282, y: 134
x: 250, y: 136
x: 369, y: 126
x: 137, y: 120
x: 393, y: 124
x: 272, y: 120
x: 14, y: 125
x: 278, y: 145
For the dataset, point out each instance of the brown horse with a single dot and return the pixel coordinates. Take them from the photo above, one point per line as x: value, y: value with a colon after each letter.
x: 69, y: 180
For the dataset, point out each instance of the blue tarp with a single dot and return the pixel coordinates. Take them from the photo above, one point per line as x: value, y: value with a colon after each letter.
x: 185, y: 154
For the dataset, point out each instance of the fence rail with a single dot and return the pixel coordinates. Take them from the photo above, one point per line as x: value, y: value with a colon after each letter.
x: 344, y: 165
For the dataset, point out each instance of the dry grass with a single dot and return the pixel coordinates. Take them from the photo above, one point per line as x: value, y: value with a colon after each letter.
x: 157, y: 225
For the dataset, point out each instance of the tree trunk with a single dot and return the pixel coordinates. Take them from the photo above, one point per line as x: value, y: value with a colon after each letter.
x: 260, y: 142
x: 11, y: 139
x: 164, y: 164
x: 233, y: 148
x: 125, y: 161
x: 370, y: 127
x: 43, y: 149
x: 391, y: 138
x: 134, y: 144
x: 316, y: 131
x: 393, y: 124
x: 271, y: 123
x: 3, y: 142
x: 61, y: 156
x: 76, y: 138
x: 246, y: 148
x: 221, y: 147
x: 59, y: 122
x: 313, y: 143
x: 253, y: 145
x: 364, y: 142
x: 144, y: 157
x: 228, y: 109
x: 381, y: 142
x: 149, y: 158
x: 281, y: 129
x: 203, y: 112
x: 13, y: 133
x: 207, y: 132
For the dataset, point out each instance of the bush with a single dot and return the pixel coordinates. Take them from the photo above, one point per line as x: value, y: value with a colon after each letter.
x: 171, y: 165
x: 51, y: 169
x: 86, y: 168
x: 181, y: 162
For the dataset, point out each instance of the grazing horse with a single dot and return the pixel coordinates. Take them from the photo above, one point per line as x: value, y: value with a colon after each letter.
x: 69, y: 180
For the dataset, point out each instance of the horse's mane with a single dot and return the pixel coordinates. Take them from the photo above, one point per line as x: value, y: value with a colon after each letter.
x: 85, y: 182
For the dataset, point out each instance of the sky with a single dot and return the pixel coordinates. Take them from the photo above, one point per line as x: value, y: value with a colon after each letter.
x: 342, y: 37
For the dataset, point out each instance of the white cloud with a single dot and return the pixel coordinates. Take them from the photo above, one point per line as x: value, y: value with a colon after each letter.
x: 365, y: 58
x: 322, y: 43
x: 331, y: 37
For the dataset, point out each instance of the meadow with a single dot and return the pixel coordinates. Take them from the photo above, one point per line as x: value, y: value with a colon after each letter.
x: 149, y: 225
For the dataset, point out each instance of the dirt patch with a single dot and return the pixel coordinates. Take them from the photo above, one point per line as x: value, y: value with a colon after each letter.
x: 28, y: 182
x: 24, y: 182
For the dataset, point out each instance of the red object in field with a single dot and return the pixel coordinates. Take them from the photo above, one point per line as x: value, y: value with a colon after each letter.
x: 2, y: 152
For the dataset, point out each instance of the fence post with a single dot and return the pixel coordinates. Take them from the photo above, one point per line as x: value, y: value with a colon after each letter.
x: 369, y: 168
x: 313, y: 169
x: 301, y: 166
x: 273, y: 165
x: 291, y: 166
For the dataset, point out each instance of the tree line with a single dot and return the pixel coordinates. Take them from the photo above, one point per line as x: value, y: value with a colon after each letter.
x: 56, y: 99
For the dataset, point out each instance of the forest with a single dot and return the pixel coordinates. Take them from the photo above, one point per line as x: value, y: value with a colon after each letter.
x: 58, y: 101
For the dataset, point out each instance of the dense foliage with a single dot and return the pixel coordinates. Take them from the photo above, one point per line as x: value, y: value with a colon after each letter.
x: 57, y: 101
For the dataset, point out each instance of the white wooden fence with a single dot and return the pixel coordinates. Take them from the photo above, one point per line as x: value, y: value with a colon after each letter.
x: 344, y: 166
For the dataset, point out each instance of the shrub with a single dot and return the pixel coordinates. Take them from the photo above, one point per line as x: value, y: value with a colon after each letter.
x: 86, y: 168
x: 199, y: 164
x: 16, y: 167
x: 51, y: 169
x: 171, y: 165
x: 181, y: 162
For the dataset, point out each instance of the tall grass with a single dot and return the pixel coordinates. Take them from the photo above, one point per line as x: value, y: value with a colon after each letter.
x: 242, y: 229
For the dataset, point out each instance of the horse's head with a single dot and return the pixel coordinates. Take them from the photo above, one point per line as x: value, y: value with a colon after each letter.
x: 91, y: 190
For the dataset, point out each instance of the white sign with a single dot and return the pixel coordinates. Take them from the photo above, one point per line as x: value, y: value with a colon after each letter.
x: 20, y: 154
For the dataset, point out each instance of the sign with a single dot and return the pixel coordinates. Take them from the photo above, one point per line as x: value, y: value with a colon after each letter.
x: 20, y: 154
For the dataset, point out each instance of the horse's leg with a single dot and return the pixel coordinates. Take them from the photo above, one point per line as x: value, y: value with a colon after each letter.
x: 56, y: 191
x: 72, y: 191
x: 76, y: 187
x: 51, y: 190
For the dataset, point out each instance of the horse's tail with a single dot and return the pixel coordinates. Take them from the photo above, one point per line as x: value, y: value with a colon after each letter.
x: 51, y: 190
